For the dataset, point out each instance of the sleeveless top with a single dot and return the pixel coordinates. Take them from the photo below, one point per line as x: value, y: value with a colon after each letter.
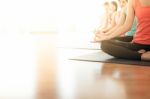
x: 133, y: 29
x: 142, y: 35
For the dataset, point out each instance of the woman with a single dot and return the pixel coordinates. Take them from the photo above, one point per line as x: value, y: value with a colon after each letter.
x: 120, y: 19
x: 139, y: 48
x: 110, y: 17
x: 106, y: 15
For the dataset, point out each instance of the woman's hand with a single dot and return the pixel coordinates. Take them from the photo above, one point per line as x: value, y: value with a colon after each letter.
x: 100, y: 36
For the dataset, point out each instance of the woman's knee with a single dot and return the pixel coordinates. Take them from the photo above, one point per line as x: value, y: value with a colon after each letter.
x: 105, y: 44
x: 109, y: 47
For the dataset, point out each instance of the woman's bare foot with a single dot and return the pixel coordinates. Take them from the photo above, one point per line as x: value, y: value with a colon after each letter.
x: 146, y: 56
x: 141, y: 51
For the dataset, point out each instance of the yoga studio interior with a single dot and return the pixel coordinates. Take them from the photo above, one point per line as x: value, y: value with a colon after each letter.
x: 59, y: 49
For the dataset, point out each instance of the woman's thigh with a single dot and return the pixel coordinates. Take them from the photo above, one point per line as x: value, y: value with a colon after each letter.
x: 123, y: 44
x: 124, y: 38
x: 121, y: 49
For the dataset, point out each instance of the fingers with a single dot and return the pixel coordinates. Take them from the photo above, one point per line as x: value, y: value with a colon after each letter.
x: 97, y: 39
x: 108, y: 33
x: 98, y: 36
x: 96, y: 31
x: 101, y: 37
x: 101, y: 34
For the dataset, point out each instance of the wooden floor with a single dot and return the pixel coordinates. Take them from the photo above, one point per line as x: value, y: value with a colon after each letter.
x: 87, y: 80
x: 44, y: 72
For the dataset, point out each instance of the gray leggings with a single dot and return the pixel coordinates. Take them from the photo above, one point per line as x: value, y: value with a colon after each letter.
x: 121, y: 47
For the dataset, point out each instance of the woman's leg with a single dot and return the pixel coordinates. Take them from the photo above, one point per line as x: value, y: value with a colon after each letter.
x: 146, y: 56
x: 120, y: 49
x: 124, y: 38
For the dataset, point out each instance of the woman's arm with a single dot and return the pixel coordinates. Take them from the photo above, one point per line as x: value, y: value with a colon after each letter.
x: 106, y: 27
x: 121, y: 29
x: 120, y: 22
x: 104, y: 23
x: 112, y: 25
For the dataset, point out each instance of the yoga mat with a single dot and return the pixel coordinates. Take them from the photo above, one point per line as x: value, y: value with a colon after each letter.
x: 105, y: 58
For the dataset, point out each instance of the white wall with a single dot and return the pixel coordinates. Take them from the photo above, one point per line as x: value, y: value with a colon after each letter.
x: 19, y: 17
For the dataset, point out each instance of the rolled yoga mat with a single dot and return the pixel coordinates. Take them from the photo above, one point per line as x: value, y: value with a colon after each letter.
x: 105, y: 58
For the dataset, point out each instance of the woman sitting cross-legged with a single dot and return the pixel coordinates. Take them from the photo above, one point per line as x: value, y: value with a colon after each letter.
x: 139, y: 47
x: 108, y: 20
x: 119, y: 19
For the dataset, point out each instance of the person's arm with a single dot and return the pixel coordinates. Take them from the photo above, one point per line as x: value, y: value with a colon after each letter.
x: 104, y: 23
x: 128, y: 23
x: 122, y: 29
x: 112, y: 25
x: 107, y: 27
x: 121, y: 21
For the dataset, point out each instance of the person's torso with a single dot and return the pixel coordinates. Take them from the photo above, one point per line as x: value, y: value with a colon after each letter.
x: 133, y: 29
x: 142, y: 13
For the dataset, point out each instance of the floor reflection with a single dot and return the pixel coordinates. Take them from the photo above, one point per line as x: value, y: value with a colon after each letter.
x: 135, y: 79
x: 44, y: 72
x: 99, y: 82
x: 46, y: 56
x: 61, y: 78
